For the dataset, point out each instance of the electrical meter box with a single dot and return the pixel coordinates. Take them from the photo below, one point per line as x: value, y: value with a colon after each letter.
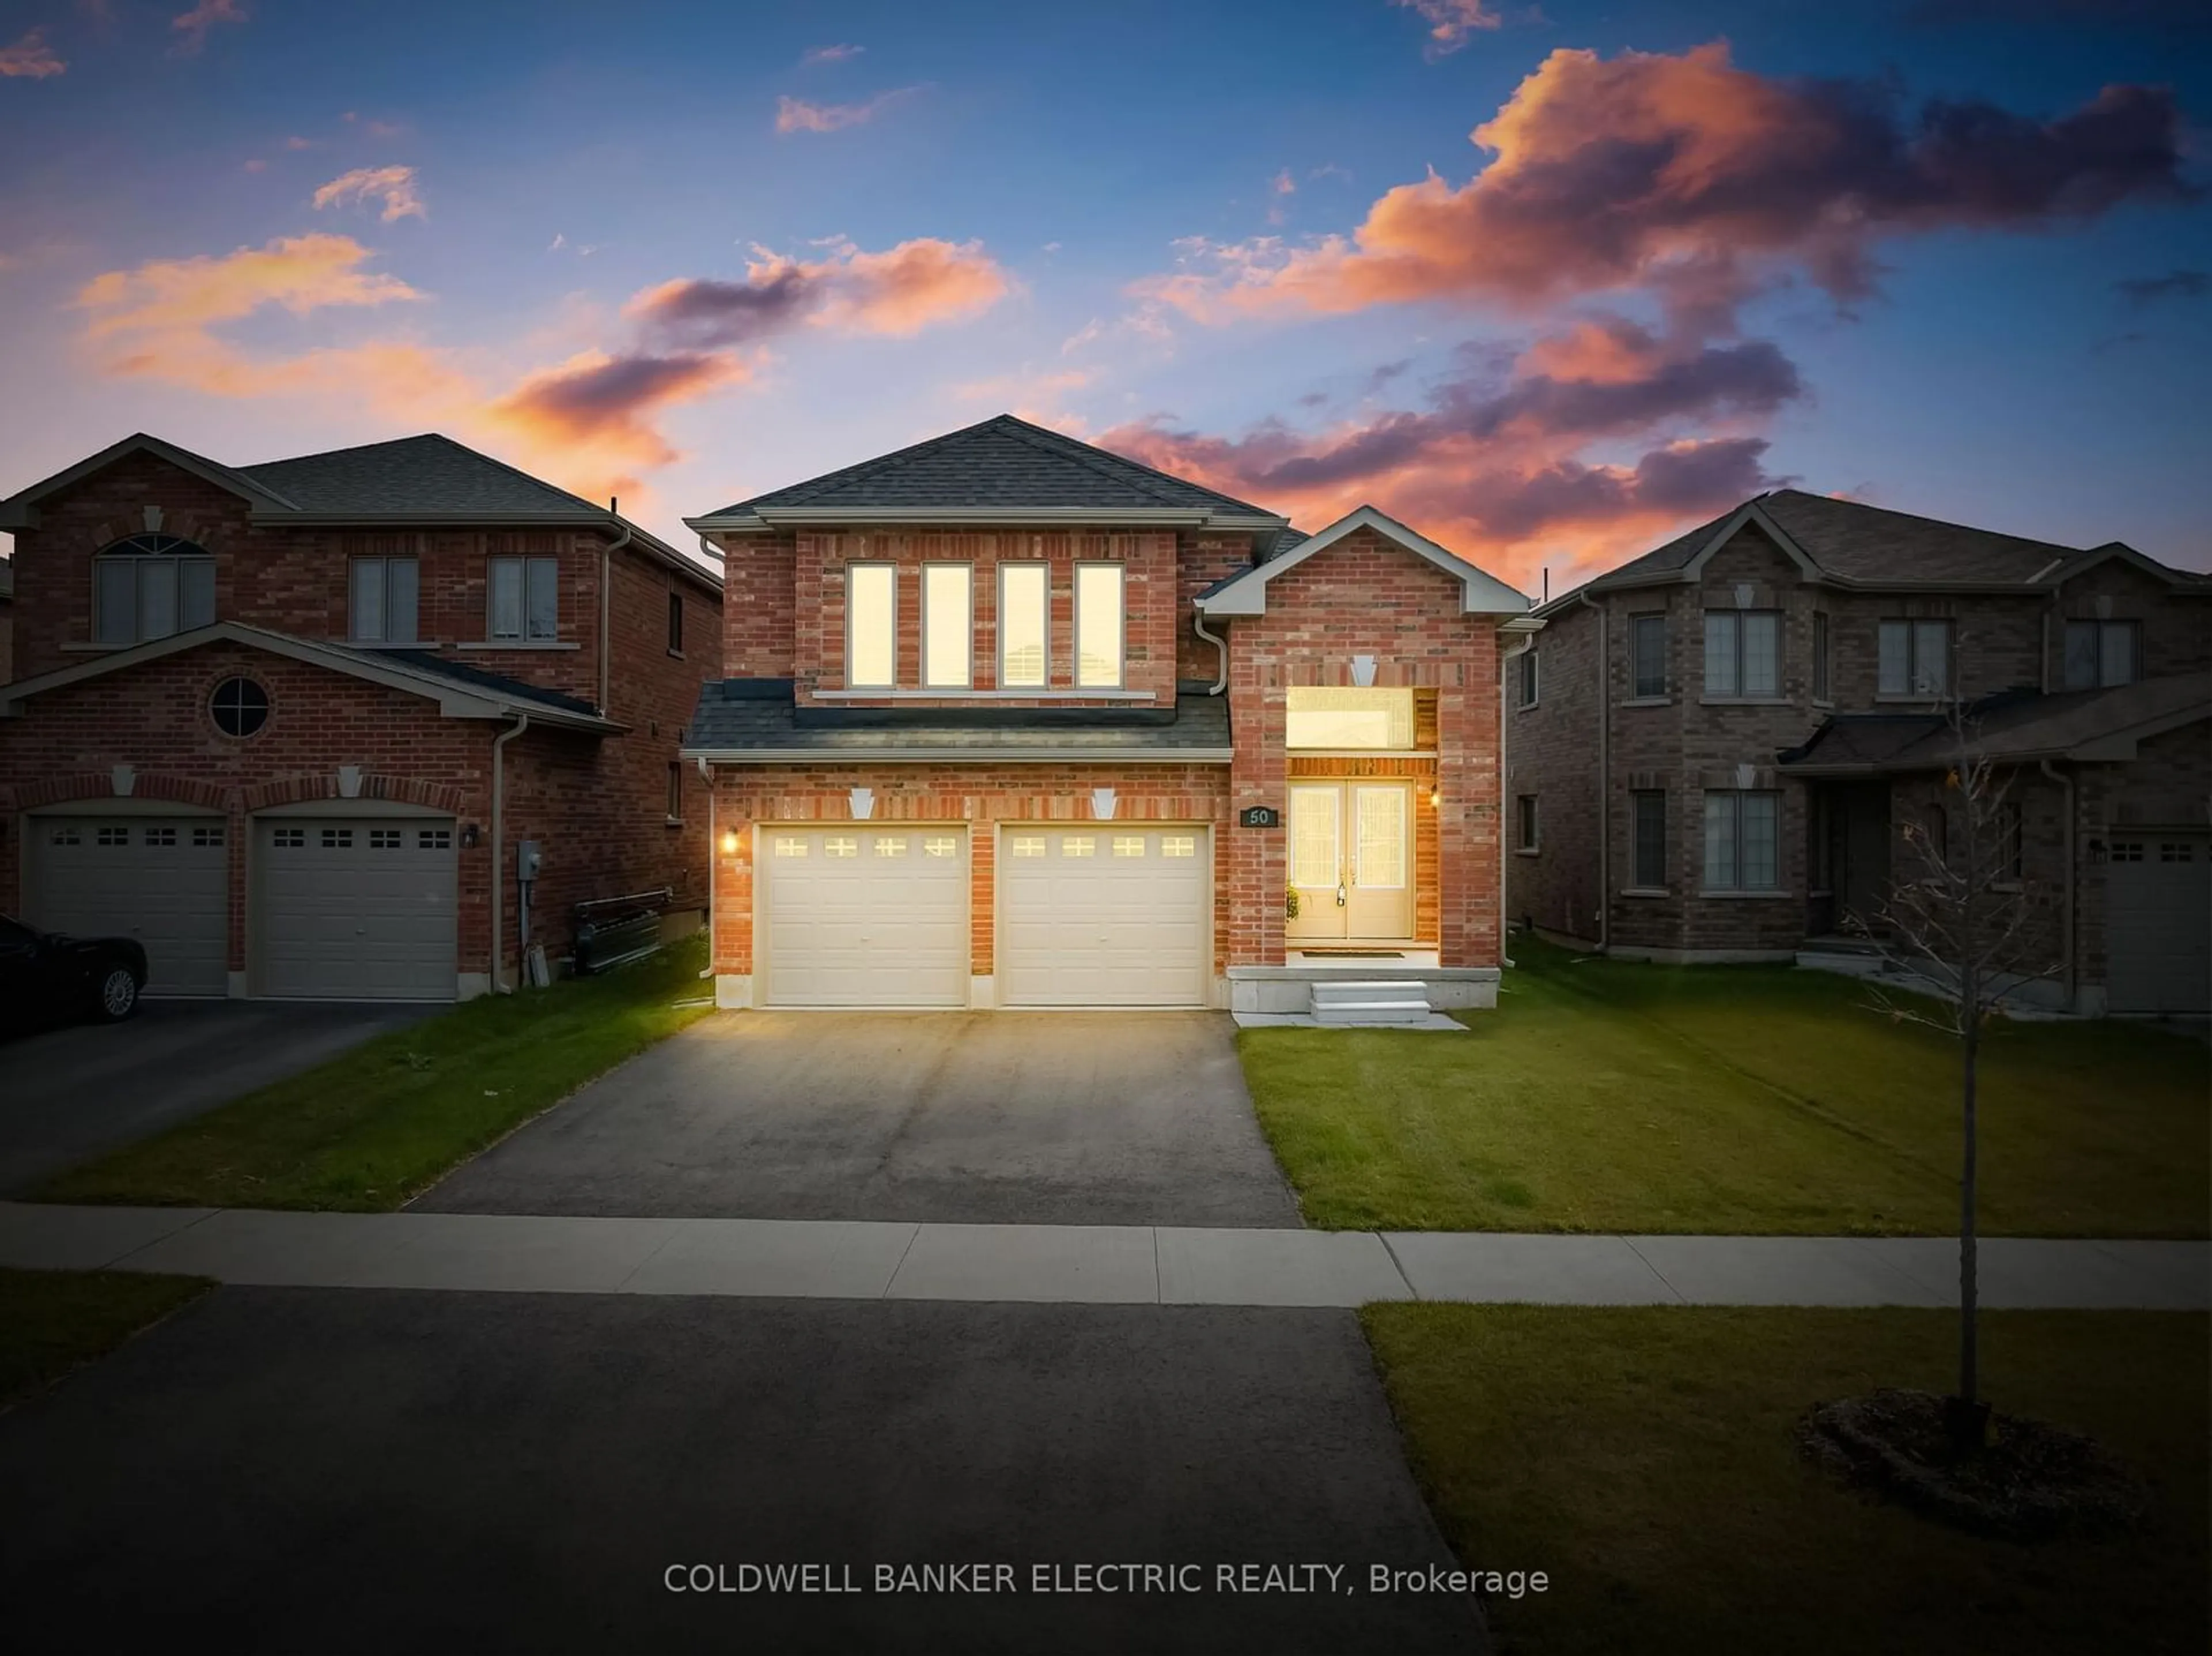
x: 526, y: 859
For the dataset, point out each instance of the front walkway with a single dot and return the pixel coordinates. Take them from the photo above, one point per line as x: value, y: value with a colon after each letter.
x: 1098, y: 1264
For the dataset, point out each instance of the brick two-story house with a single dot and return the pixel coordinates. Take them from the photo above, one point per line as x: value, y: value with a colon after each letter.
x: 1011, y: 721
x: 288, y: 724
x: 1714, y: 750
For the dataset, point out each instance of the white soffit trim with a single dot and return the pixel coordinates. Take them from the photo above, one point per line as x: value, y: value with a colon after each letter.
x: 1483, y: 594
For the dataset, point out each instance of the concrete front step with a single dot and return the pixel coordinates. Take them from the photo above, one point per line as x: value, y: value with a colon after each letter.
x: 1379, y: 1003
x: 1379, y: 989
x: 1383, y: 1015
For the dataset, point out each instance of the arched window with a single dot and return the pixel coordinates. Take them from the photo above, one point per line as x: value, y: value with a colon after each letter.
x: 149, y: 586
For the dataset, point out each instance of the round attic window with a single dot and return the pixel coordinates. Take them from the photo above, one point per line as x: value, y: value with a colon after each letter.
x: 240, y: 706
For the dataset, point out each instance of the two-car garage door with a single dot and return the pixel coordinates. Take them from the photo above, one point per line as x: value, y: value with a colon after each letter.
x: 2158, y: 938
x: 1102, y: 915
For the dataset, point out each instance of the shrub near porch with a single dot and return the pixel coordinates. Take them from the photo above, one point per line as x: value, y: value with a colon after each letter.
x: 1607, y: 1096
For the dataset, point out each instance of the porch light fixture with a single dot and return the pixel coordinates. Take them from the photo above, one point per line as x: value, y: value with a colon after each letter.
x: 1363, y: 670
x: 470, y: 835
x: 729, y: 842
x: 1101, y: 804
x: 863, y: 801
x: 1435, y: 797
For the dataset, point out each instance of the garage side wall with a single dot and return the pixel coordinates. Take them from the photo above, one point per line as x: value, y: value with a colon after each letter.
x: 980, y: 796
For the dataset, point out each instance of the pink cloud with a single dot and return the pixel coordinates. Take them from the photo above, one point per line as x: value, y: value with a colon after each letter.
x: 191, y: 26
x: 394, y: 187
x: 30, y: 58
x: 594, y: 414
x: 1450, y: 22
x: 797, y: 115
x: 900, y: 290
x: 838, y: 54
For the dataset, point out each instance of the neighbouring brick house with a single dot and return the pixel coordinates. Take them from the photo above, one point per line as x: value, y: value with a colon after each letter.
x: 290, y: 723
x: 1013, y: 721
x: 1715, y: 749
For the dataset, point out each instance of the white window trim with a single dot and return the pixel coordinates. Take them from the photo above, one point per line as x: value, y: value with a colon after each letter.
x: 1045, y: 627
x: 1121, y: 678
x: 966, y: 680
x: 850, y: 680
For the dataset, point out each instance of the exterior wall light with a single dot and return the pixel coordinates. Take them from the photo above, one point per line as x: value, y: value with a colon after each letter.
x: 470, y: 835
x: 1435, y: 797
x: 729, y: 842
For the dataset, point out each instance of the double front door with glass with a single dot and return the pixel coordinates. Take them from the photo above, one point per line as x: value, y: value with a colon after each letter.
x: 1351, y: 862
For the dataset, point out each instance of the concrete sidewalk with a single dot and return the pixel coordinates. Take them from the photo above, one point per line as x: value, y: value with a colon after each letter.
x: 1079, y: 1265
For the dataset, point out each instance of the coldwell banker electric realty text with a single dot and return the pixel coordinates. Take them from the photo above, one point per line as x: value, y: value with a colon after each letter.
x: 998, y: 1578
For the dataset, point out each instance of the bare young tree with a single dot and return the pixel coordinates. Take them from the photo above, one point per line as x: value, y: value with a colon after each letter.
x: 1965, y: 925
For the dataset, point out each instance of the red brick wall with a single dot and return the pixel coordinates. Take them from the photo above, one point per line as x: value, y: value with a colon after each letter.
x: 979, y: 795
x: 1366, y: 596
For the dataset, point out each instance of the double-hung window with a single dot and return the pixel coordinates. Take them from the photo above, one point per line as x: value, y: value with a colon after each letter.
x: 675, y: 621
x: 1742, y: 840
x: 1098, y: 600
x: 1915, y: 658
x: 2102, y: 653
x: 948, y: 626
x: 151, y: 586
x: 525, y: 599
x: 1531, y: 677
x: 1647, y: 656
x: 870, y: 625
x: 384, y: 601
x: 1743, y: 652
x: 1647, y: 811
x: 1024, y: 625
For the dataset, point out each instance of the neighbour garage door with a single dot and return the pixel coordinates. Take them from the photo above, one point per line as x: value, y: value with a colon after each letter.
x: 1104, y: 916
x: 2157, y: 924
x: 355, y: 908
x: 864, y: 916
x: 164, y: 880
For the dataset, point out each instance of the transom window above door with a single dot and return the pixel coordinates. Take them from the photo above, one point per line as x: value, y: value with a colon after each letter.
x: 149, y: 586
x: 1333, y: 717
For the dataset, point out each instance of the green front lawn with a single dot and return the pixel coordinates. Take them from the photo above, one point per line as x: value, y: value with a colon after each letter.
x: 1608, y: 1095
x: 52, y: 1321
x: 1642, y: 1459
x: 368, y: 1131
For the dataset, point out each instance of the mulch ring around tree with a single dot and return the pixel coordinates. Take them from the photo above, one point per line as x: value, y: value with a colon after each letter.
x: 2031, y: 1482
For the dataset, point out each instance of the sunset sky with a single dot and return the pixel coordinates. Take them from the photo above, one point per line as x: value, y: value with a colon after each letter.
x: 1549, y: 282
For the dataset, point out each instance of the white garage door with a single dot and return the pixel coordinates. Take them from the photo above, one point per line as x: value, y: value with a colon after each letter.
x: 1104, y: 916
x: 2157, y: 924
x: 859, y: 915
x: 355, y: 908
x: 164, y: 880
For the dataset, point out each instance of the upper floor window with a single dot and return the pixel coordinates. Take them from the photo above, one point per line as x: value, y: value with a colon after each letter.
x: 1024, y: 627
x: 149, y: 586
x: 1915, y: 657
x: 525, y: 598
x: 1647, y: 655
x: 1099, y: 599
x: 675, y: 621
x: 1529, y: 677
x: 2101, y: 652
x: 1330, y: 717
x: 384, y: 600
x: 948, y: 626
x: 1820, y: 655
x: 870, y: 625
x: 1743, y: 652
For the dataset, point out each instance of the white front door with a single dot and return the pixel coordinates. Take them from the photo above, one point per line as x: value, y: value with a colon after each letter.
x: 863, y: 915
x: 1106, y: 914
x: 164, y: 880
x: 1351, y: 861
x: 2158, y: 923
x: 356, y: 908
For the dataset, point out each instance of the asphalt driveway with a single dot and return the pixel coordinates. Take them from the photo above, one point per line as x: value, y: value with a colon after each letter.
x: 75, y: 1091
x: 1099, y: 1118
x: 280, y: 1468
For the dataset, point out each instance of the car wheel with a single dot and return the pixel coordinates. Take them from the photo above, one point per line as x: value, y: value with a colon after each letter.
x: 118, y: 993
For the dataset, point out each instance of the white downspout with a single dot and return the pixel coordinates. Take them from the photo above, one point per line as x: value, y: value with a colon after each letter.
x: 714, y: 867
x: 1221, y: 648
x: 2066, y: 909
x: 499, y: 849
x: 1505, y: 724
x: 607, y: 551
x: 1604, y: 777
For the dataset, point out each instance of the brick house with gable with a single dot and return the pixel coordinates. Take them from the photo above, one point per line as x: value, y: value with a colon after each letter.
x: 1714, y: 750
x: 290, y: 723
x: 1011, y: 721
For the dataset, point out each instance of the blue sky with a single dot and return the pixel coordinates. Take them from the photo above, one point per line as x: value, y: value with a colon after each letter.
x: 574, y: 235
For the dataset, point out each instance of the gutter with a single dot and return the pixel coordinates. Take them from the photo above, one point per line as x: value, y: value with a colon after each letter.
x: 1221, y: 644
x: 2066, y: 905
x: 499, y: 983
x: 1604, y: 777
x: 1181, y: 516
x: 1505, y: 723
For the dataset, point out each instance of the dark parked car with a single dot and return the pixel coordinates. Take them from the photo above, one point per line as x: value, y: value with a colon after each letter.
x: 44, y: 975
